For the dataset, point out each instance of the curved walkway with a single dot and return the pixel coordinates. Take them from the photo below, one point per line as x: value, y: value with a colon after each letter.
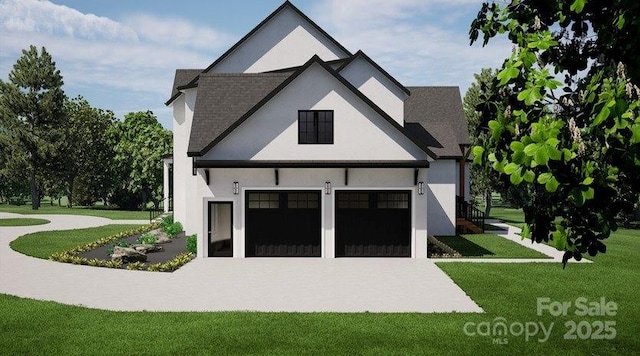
x: 269, y: 284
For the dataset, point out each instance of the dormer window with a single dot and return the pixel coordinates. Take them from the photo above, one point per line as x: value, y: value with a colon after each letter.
x: 315, y: 127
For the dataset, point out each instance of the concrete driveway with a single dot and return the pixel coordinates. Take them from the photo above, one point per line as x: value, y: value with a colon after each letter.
x: 257, y: 284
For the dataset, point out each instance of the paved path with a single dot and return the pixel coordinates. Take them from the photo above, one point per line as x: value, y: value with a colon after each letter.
x: 513, y: 233
x: 257, y: 284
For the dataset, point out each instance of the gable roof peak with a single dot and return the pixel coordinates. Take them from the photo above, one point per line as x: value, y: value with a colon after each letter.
x: 200, y: 150
x: 287, y: 4
x: 361, y: 54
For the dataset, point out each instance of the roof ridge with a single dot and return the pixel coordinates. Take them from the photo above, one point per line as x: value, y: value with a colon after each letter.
x: 245, y: 74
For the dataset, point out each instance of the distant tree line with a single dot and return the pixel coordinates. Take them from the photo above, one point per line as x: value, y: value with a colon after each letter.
x: 55, y: 146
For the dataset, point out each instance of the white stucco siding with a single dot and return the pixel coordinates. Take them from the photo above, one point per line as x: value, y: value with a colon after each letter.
x: 377, y: 87
x: 360, y: 133
x: 221, y: 189
x: 441, y: 197
x: 182, y: 173
x: 286, y: 41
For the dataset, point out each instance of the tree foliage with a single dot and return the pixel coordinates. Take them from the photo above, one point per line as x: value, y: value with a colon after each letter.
x: 31, y: 112
x: 483, y: 179
x: 563, y: 116
x: 139, y: 142
x: 86, y: 153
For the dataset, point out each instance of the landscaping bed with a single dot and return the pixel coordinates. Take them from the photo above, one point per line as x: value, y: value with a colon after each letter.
x: 158, y: 247
x: 438, y: 249
x: 169, y: 250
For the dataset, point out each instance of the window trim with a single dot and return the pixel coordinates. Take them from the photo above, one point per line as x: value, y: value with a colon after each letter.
x: 316, y: 124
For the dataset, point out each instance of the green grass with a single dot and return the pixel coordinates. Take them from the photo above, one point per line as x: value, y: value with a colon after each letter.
x: 22, y: 222
x: 488, y: 246
x: 89, y: 211
x: 513, y: 217
x: 506, y: 291
x: 43, y: 244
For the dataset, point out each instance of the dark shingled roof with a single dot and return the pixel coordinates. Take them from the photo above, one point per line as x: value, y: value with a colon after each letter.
x: 224, y: 98
x: 435, y: 115
x: 183, y: 77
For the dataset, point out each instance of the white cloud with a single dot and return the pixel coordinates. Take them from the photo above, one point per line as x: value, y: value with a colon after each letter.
x: 46, y: 17
x: 420, y: 42
x: 181, y: 32
x: 125, y: 65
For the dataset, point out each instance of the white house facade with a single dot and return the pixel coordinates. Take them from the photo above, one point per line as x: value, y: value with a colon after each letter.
x: 289, y: 145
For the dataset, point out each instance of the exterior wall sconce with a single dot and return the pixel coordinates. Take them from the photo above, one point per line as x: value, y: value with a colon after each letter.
x: 327, y: 188
x: 236, y: 188
x: 420, y: 188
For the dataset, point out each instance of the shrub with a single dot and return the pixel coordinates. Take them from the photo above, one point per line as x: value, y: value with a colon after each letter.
x: 173, y: 229
x: 136, y: 266
x: 147, y: 238
x: 192, y: 243
x: 166, y: 221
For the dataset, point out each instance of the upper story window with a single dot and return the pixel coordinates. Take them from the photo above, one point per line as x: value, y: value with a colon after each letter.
x: 315, y: 127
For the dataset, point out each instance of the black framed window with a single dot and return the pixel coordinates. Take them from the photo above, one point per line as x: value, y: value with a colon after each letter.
x: 315, y: 127
x: 264, y: 200
x: 393, y: 200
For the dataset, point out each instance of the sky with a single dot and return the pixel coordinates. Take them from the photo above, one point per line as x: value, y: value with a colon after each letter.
x: 122, y: 55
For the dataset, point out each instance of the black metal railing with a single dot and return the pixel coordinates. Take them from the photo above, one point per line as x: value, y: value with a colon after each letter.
x: 469, y: 212
x: 154, y: 213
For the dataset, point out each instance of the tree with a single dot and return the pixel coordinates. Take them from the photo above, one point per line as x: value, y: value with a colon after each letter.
x: 32, y: 102
x: 12, y: 186
x: 573, y: 144
x: 86, y: 154
x: 483, y: 179
x: 139, y: 142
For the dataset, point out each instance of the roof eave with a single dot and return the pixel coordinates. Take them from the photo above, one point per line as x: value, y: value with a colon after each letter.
x: 309, y: 164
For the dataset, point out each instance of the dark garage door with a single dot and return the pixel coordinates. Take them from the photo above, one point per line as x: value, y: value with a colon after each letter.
x: 283, y: 224
x: 373, y: 224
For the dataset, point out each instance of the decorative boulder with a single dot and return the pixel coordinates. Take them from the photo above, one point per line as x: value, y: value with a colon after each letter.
x: 146, y: 248
x: 127, y: 255
x: 162, y: 236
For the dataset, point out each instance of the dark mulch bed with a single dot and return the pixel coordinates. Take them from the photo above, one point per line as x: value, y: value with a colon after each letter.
x: 170, y: 250
x: 438, y: 249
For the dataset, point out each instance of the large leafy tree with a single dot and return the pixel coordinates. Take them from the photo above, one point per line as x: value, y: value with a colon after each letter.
x: 140, y: 142
x: 86, y: 154
x: 31, y: 111
x: 563, y: 119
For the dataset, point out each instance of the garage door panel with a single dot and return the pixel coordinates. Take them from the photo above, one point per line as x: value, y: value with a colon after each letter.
x: 283, y: 224
x: 373, y: 224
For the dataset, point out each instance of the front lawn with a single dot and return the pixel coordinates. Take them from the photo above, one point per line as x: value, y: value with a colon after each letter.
x: 506, y: 291
x: 44, y: 244
x: 99, y: 211
x: 22, y: 222
x: 488, y: 246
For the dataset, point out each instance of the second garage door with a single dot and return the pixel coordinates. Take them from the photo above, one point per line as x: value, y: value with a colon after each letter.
x: 373, y: 224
